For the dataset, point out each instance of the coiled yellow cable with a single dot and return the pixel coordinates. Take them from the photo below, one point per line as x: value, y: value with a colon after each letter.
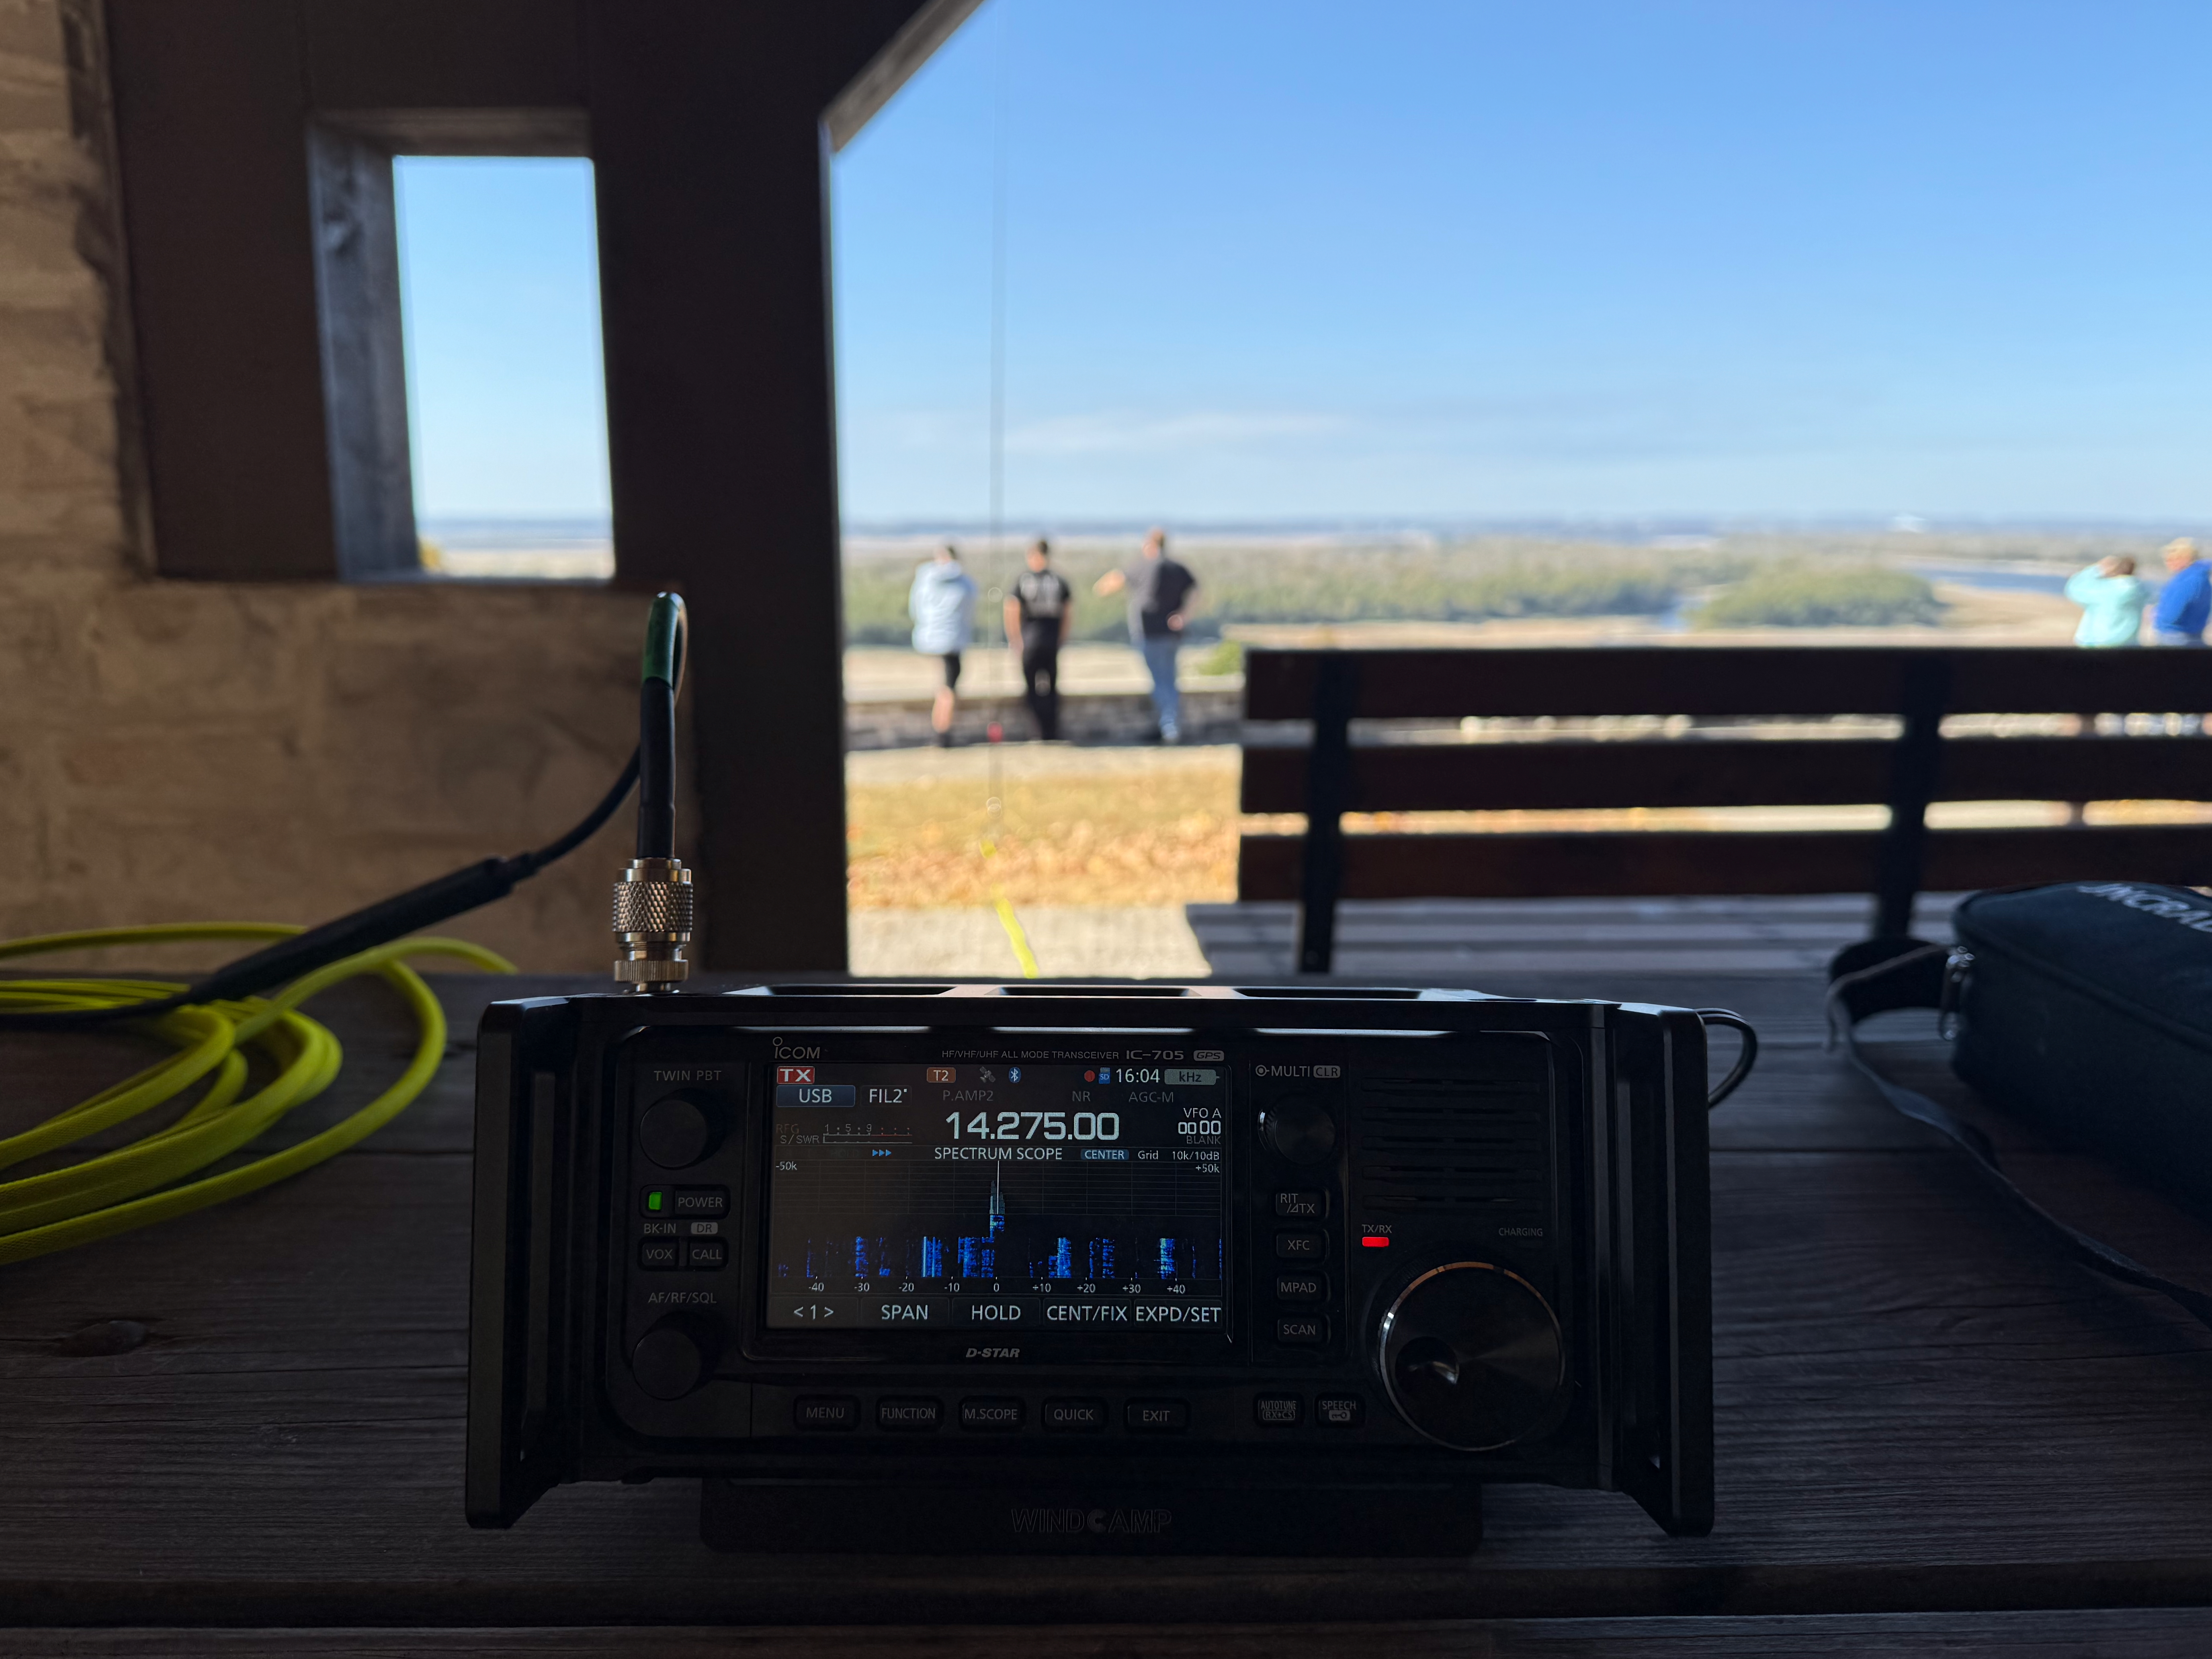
x: 132, y: 1186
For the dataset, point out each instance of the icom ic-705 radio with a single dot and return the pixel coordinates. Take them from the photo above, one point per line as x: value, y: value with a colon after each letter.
x: 1204, y: 1268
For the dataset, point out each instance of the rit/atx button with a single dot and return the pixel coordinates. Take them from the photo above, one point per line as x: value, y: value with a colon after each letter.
x: 1277, y: 1411
x: 1301, y: 1207
x: 1301, y: 1287
x: 707, y: 1253
x: 909, y: 1416
x: 1158, y: 1416
x: 1339, y: 1411
x: 991, y: 1416
x: 659, y: 1254
x: 825, y: 1411
x: 1075, y: 1416
x: 1301, y: 1247
x: 1303, y: 1331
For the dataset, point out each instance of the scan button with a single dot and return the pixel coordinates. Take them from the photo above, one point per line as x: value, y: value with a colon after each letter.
x: 1303, y: 1332
x: 1158, y: 1416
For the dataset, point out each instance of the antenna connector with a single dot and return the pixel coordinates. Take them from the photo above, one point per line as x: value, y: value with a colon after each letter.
x: 655, y: 905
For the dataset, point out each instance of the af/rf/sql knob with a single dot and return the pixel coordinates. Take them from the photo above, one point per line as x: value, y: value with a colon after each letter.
x: 674, y: 1357
x: 1472, y: 1356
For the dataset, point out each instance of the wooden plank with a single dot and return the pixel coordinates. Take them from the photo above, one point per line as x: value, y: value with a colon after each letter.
x: 1570, y: 774
x: 285, y: 1448
x: 1596, y: 863
x: 211, y: 113
x: 2141, y: 1633
x: 1730, y: 680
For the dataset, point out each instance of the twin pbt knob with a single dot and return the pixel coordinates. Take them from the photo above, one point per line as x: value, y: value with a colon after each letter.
x: 1472, y: 1357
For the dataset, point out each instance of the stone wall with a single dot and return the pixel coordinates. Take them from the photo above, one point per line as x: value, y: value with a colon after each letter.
x: 192, y: 751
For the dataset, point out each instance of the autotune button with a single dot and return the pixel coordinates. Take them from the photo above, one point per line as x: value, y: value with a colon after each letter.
x: 1158, y: 1416
x: 1277, y: 1411
x: 1303, y: 1330
x: 825, y: 1412
x: 991, y: 1416
x: 1073, y: 1416
x: 909, y: 1416
x: 1339, y: 1411
x: 1301, y: 1287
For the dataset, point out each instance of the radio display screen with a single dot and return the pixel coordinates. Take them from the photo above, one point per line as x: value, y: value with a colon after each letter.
x: 1054, y: 1198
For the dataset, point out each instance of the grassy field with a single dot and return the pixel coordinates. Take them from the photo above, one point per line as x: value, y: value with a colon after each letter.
x: 1753, y: 579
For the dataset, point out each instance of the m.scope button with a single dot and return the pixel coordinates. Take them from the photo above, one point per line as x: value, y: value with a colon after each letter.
x: 1301, y: 1287
x: 1158, y: 1416
x: 1303, y: 1331
x: 1075, y: 1416
x: 993, y: 1416
x: 1301, y: 1247
x: 909, y: 1416
x: 1301, y: 1207
x: 825, y: 1412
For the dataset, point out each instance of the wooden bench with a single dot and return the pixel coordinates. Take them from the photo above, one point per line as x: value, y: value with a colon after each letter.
x: 1703, y: 769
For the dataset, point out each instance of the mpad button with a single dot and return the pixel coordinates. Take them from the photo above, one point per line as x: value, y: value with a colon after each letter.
x: 1277, y: 1411
x: 1158, y: 1416
x: 1301, y: 1287
x: 825, y: 1411
x: 1301, y: 1247
x: 991, y: 1416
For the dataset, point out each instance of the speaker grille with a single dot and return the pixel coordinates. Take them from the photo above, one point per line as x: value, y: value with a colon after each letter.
x: 1461, y: 1145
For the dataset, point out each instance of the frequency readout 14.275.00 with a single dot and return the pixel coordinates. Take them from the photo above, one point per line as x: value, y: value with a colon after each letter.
x: 1051, y: 1197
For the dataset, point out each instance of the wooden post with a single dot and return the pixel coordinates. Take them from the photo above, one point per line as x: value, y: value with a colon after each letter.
x: 1329, y: 785
x: 1914, y: 768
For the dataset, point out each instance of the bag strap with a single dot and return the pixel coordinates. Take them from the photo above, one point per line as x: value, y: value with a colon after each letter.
x: 1928, y: 977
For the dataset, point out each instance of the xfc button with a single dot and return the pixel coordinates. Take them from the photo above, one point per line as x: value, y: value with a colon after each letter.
x: 1301, y: 1247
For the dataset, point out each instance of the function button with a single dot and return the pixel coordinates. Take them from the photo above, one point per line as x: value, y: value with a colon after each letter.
x: 1075, y: 1416
x: 1301, y: 1207
x: 1277, y: 1411
x: 659, y: 1254
x: 1339, y: 1411
x: 1301, y: 1287
x: 825, y: 1411
x: 909, y: 1416
x: 1302, y: 1331
x: 696, y: 1201
x: 1158, y: 1416
x: 1301, y: 1247
x: 707, y: 1253
x: 991, y: 1416
x: 678, y: 1131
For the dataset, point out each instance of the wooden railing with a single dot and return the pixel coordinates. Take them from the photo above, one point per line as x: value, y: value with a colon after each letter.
x: 1922, y: 685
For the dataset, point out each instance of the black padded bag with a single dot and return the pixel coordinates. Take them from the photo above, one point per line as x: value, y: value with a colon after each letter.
x: 2088, y: 1009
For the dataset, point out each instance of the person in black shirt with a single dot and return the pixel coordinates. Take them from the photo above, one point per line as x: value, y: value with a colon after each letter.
x: 1160, y: 596
x: 1039, y: 612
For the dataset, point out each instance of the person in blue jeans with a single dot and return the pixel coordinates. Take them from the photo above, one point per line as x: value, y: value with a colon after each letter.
x: 2185, y: 603
x: 1160, y: 593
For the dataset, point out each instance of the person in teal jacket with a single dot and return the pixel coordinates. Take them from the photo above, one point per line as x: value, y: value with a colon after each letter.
x: 2111, y: 601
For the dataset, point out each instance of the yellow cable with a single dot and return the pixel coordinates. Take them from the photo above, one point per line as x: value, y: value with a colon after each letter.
x: 1007, y: 920
x: 136, y: 1185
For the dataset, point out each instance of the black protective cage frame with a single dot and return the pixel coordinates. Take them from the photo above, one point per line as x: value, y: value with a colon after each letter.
x: 538, y: 1413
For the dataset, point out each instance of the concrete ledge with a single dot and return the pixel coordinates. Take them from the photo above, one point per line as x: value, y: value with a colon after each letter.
x: 1101, y: 718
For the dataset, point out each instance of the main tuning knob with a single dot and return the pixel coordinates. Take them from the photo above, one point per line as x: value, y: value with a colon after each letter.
x: 1472, y: 1356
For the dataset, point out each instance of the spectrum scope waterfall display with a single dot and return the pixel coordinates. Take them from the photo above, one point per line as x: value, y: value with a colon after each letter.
x: 996, y: 1196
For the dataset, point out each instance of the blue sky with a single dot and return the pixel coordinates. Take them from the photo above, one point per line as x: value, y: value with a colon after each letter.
x: 1683, y: 257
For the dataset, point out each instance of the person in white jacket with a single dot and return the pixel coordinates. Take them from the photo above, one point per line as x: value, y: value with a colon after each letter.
x: 941, y: 605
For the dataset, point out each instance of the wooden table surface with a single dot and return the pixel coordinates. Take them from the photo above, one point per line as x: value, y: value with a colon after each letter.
x: 1933, y: 1431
